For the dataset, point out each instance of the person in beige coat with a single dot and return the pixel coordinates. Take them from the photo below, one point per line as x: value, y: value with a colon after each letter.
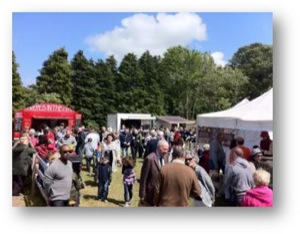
x: 176, y: 183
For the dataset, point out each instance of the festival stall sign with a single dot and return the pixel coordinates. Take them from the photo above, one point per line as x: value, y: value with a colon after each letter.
x: 24, y: 119
x: 206, y: 134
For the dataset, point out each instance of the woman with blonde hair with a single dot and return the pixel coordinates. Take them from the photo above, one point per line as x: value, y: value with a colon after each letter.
x: 261, y: 195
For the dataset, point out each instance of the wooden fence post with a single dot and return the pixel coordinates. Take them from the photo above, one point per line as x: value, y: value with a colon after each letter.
x: 33, y: 168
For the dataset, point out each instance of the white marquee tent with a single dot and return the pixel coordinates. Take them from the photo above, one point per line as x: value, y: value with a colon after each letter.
x: 256, y: 115
x: 247, y: 118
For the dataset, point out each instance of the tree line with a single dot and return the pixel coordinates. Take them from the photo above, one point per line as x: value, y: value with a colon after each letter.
x: 182, y: 82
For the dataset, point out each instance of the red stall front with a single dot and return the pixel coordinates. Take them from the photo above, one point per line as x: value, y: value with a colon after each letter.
x: 45, y: 113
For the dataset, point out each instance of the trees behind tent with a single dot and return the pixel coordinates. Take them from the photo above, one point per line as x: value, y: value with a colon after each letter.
x: 182, y: 82
x: 256, y: 62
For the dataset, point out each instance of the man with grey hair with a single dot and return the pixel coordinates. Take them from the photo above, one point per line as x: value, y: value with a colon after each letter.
x: 150, y: 172
x: 152, y: 143
x: 68, y: 139
x: 176, y: 183
x: 160, y: 135
x: 238, y: 178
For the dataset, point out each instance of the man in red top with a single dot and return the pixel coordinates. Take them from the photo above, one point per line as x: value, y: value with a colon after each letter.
x: 246, y: 150
x: 177, y: 135
x: 265, y: 142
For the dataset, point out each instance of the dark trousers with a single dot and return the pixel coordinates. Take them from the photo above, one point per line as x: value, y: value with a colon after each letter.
x: 89, y: 165
x: 127, y: 192
x: 221, y: 165
x: 134, y: 150
x: 79, y: 149
x: 59, y: 203
x: 18, y: 184
x: 140, y: 150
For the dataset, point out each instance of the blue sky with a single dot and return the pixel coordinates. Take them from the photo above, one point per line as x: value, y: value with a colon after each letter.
x: 37, y: 35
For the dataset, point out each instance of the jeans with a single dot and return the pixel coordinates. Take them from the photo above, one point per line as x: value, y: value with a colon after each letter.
x: 103, y: 190
x: 125, y: 152
x: 98, y: 156
x: 128, y: 192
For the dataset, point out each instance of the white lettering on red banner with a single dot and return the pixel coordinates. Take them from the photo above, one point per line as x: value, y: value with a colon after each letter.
x: 49, y: 108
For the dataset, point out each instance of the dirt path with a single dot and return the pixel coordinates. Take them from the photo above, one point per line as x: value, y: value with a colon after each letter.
x: 18, y: 201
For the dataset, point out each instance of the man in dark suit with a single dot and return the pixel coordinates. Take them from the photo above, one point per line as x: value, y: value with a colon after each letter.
x: 151, y: 145
x: 150, y: 172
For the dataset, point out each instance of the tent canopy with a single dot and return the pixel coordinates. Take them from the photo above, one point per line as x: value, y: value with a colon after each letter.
x: 256, y: 115
x: 175, y: 119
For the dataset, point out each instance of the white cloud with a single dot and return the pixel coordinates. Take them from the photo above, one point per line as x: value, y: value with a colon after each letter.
x: 219, y: 58
x: 142, y: 32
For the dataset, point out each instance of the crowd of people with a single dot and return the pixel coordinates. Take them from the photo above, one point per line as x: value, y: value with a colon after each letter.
x: 174, y: 170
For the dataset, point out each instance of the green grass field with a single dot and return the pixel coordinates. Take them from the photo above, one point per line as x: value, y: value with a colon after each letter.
x: 115, y: 196
x: 116, y: 190
x: 89, y: 193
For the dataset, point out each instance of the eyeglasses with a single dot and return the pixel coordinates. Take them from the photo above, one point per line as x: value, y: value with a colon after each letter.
x: 67, y: 151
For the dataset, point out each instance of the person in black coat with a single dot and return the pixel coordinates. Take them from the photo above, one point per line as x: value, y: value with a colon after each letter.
x: 125, y: 140
x: 22, y: 159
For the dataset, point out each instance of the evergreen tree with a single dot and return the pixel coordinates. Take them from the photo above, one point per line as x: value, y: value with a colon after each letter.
x: 17, y: 86
x: 55, y: 76
x: 84, y: 86
x: 153, y: 98
x: 106, y: 73
x: 129, y: 86
x: 32, y: 97
x: 111, y: 73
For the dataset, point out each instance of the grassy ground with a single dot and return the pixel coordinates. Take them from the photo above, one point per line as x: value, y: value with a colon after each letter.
x: 116, y: 190
x: 89, y: 193
x: 27, y: 199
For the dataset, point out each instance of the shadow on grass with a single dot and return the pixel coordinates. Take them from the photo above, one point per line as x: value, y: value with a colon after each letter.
x: 90, y: 183
x: 110, y: 200
x: 88, y: 196
x: 116, y: 202
x: 35, y: 200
